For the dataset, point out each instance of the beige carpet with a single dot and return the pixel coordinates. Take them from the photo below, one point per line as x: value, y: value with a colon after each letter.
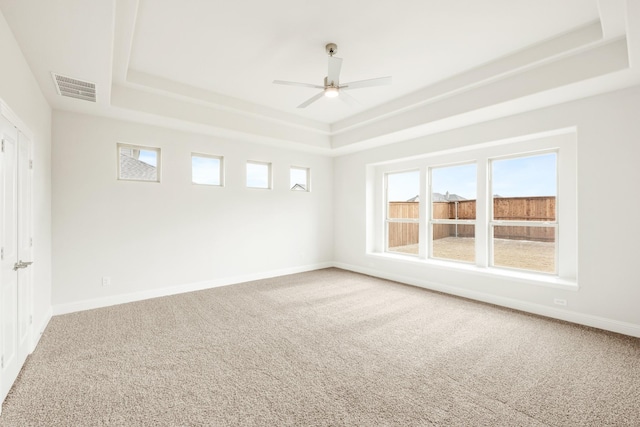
x: 326, y: 348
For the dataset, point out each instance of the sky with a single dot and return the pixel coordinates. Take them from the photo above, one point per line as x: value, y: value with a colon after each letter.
x: 460, y: 180
x: 298, y: 176
x: 525, y: 176
x: 205, y: 170
x: 516, y: 177
x: 149, y: 157
x: 258, y: 175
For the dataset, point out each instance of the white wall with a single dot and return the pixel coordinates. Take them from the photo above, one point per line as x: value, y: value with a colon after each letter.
x: 20, y: 91
x: 147, y: 236
x: 608, y: 132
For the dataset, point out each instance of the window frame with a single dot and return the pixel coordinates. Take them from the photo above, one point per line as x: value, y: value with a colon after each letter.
x: 308, y: 183
x: 492, y: 223
x: 269, y: 175
x: 388, y: 220
x: 209, y: 156
x: 158, y: 150
x: 562, y: 141
x: 434, y: 221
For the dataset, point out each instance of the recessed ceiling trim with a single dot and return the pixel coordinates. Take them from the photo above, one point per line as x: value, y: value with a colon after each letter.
x: 531, y: 56
x: 74, y: 88
x: 602, y: 59
x: 159, y: 85
x: 228, y: 122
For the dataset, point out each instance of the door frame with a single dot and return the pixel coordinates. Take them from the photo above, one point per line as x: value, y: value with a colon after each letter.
x: 24, y: 132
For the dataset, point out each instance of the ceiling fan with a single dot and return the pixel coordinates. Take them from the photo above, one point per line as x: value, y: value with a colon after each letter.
x: 332, y: 87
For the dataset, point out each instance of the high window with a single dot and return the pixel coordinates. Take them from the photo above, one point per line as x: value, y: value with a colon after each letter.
x: 299, y: 179
x: 258, y: 175
x: 207, y: 169
x: 138, y: 163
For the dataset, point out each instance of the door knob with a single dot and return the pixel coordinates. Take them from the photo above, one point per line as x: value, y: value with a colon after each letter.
x: 22, y: 264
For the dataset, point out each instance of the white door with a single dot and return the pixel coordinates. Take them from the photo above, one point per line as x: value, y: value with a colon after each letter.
x: 15, y: 254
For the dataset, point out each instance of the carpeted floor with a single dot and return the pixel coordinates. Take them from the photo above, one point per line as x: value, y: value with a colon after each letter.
x: 325, y: 348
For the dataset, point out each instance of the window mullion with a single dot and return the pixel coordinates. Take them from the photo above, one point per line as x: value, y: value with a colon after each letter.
x: 516, y: 223
x: 483, y: 212
x: 423, y: 212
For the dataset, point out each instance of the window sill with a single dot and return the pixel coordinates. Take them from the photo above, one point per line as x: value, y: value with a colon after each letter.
x: 520, y: 276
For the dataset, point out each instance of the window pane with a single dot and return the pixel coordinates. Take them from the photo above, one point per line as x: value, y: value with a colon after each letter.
x: 403, y: 194
x: 454, y: 242
x: 453, y: 192
x: 206, y: 170
x: 403, y: 202
x: 258, y: 175
x: 138, y: 163
x: 525, y: 188
x: 528, y: 248
x: 403, y: 237
x: 299, y: 179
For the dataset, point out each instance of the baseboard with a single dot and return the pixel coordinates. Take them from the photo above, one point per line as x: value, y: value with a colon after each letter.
x: 556, y: 313
x: 37, y: 333
x: 566, y: 315
x: 179, y: 289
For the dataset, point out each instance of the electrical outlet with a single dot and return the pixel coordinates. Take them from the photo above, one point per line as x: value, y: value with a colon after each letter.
x: 106, y: 281
x: 560, y: 301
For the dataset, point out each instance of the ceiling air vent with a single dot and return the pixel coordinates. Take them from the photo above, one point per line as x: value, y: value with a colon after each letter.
x: 73, y: 88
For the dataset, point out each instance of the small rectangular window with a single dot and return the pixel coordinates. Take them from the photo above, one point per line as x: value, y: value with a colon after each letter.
x: 207, y: 169
x: 403, y: 212
x: 453, y: 212
x: 258, y: 175
x: 138, y: 163
x: 299, y: 179
x: 523, y: 221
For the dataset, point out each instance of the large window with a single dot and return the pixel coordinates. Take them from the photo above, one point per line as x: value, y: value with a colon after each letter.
x: 138, y: 163
x: 403, y: 212
x: 497, y: 207
x: 453, y: 212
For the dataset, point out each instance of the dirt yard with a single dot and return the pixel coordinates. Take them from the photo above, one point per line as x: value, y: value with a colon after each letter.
x: 522, y: 254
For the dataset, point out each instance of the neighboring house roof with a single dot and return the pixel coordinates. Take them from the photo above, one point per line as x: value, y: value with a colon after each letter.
x: 131, y: 168
x: 438, y: 197
x: 299, y: 187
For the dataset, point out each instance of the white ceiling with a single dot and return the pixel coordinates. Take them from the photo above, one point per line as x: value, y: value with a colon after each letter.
x: 208, y: 66
x: 238, y: 48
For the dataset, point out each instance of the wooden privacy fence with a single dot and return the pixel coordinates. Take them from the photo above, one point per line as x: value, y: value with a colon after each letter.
x: 403, y: 233
x: 504, y: 208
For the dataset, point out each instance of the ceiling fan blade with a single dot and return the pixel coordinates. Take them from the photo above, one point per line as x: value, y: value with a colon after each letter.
x: 348, y: 99
x: 380, y: 81
x: 283, y: 82
x: 333, y: 75
x: 311, y: 100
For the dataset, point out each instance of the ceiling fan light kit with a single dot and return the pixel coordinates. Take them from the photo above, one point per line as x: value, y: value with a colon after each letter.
x: 331, y: 92
x: 332, y: 87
